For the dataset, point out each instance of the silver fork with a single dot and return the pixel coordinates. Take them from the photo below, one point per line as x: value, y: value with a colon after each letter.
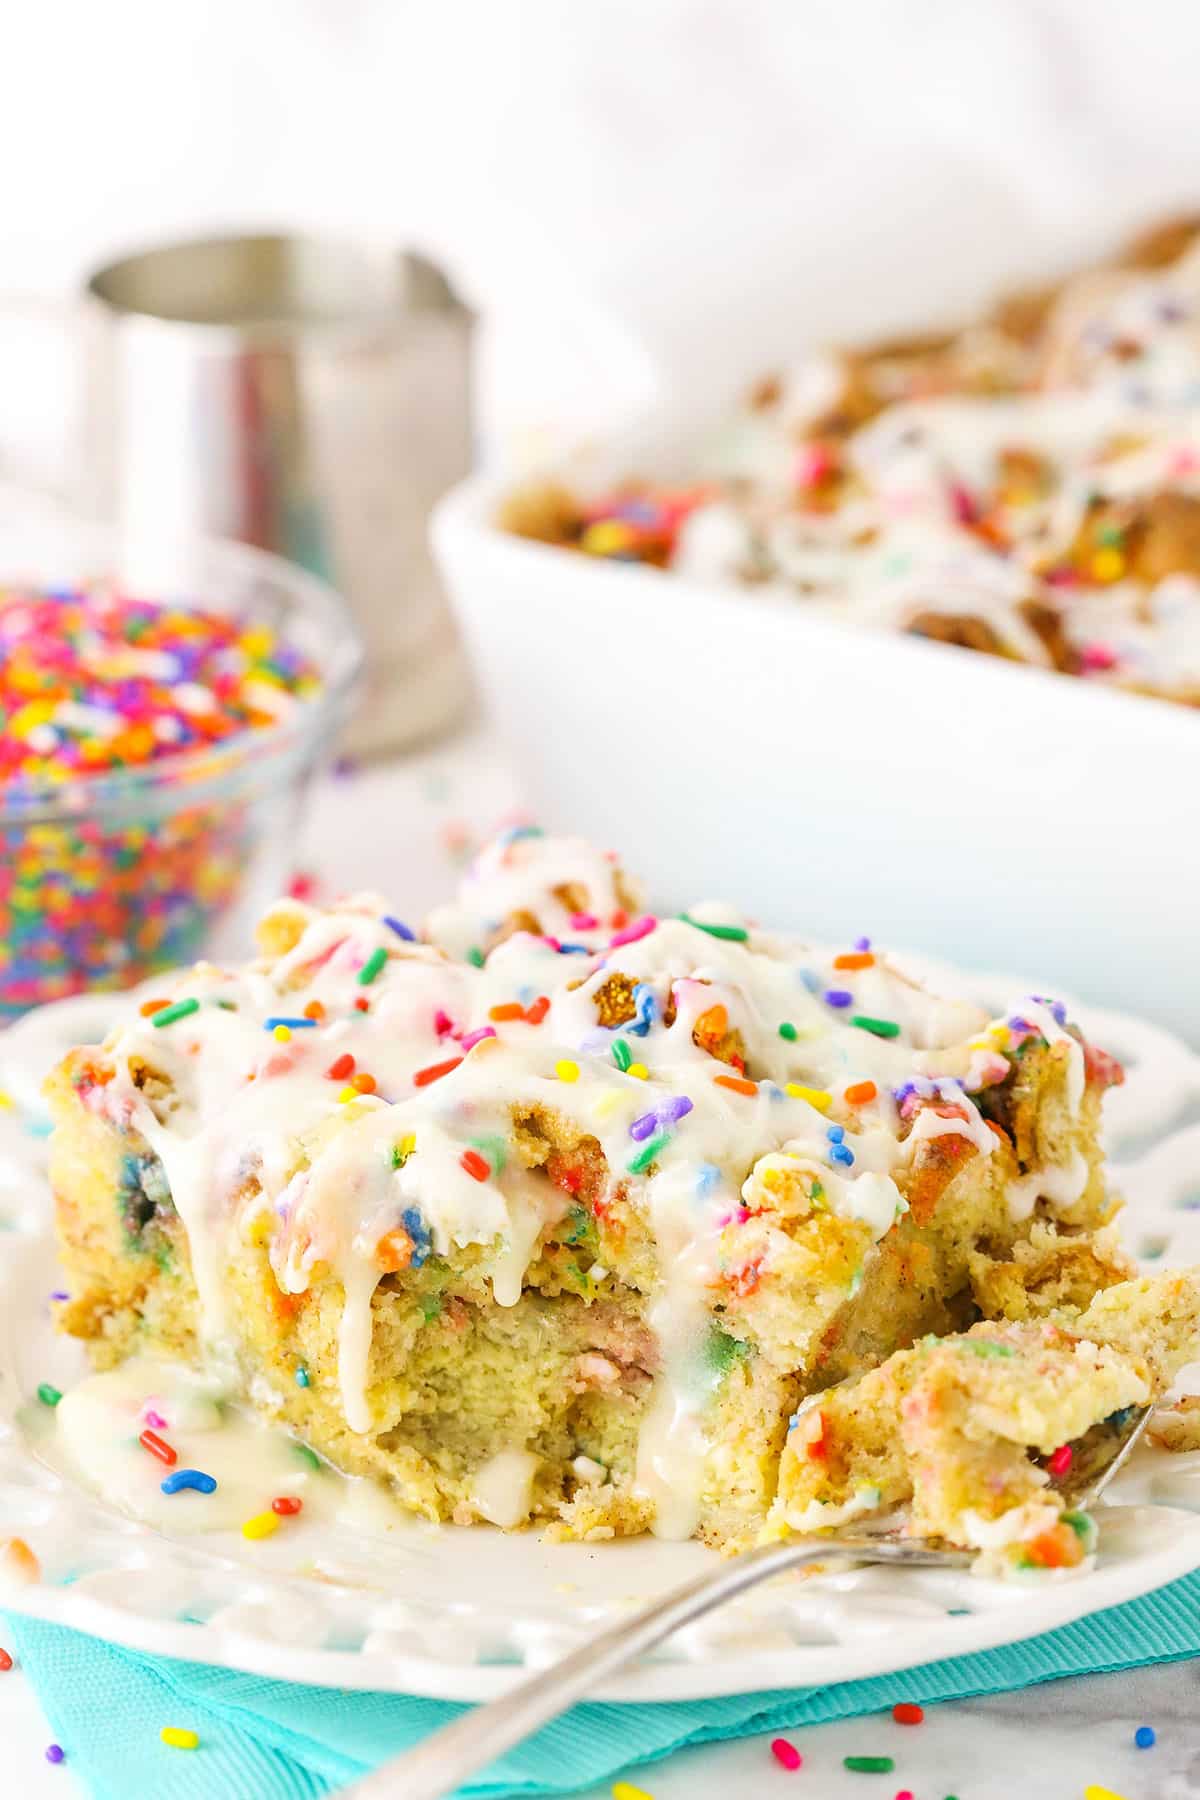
x: 446, y: 1758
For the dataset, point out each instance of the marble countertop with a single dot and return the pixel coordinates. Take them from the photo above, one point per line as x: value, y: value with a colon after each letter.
x: 1047, y: 1743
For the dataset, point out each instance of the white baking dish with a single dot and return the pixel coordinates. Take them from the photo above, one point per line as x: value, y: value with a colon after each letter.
x: 838, y: 779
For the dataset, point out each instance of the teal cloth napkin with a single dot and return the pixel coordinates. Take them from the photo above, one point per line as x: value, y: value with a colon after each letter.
x: 271, y: 1740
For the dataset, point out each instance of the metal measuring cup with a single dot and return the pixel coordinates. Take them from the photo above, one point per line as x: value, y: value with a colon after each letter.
x: 303, y: 395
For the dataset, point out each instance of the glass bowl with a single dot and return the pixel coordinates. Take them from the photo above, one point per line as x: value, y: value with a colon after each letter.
x: 118, y: 873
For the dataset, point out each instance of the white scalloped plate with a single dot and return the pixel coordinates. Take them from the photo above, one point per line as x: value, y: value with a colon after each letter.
x: 459, y: 1614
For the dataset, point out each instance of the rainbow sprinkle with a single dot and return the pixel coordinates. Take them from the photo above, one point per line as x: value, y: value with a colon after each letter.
x: 97, y: 684
x: 786, y: 1754
x: 150, y: 1440
x: 733, y: 934
x: 372, y: 966
x: 881, y: 1028
x: 182, y: 1009
x: 188, y: 1478
x: 262, y: 1525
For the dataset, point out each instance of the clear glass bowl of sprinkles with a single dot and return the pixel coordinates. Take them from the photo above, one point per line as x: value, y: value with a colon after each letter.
x: 155, y: 749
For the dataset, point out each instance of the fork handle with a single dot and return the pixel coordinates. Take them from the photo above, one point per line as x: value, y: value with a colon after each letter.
x: 446, y: 1758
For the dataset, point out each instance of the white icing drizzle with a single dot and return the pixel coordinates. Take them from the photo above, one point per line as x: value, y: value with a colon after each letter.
x: 1062, y: 1184
x: 503, y: 1487
x: 257, y: 1140
x: 1039, y: 1014
x: 673, y: 1443
x: 354, y: 1343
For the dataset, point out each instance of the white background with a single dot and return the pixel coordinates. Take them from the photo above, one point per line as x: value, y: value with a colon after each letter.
x: 636, y: 188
